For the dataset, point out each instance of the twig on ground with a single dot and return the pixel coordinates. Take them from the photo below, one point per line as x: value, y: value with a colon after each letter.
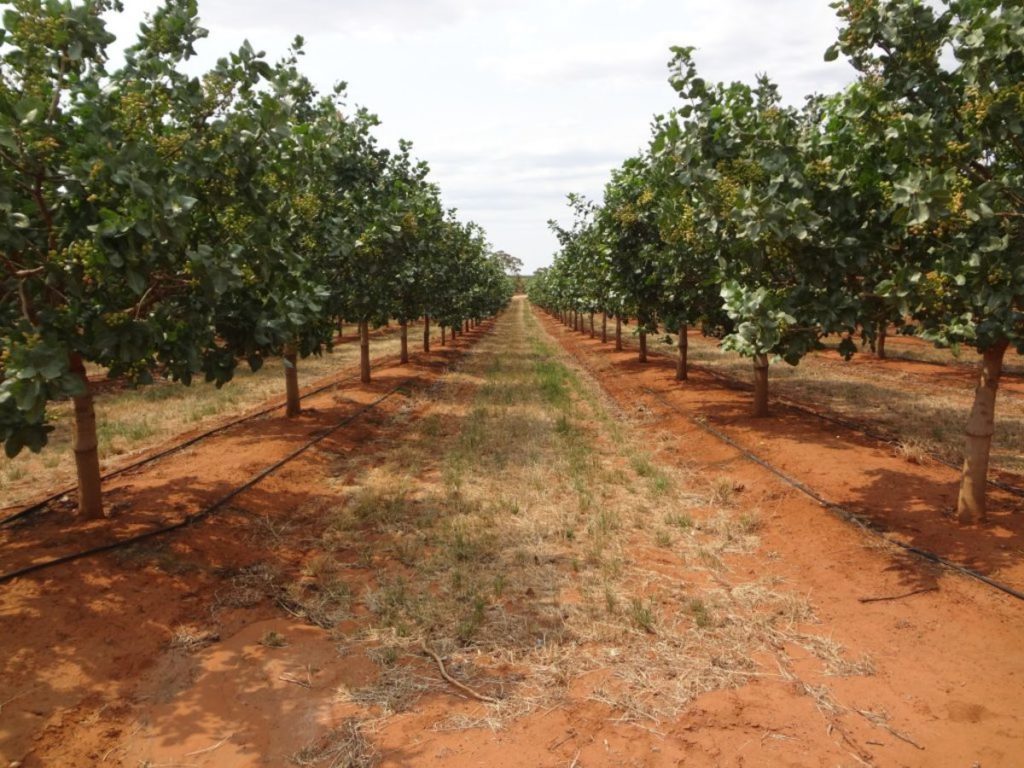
x: 308, y: 683
x: 218, y: 745
x: 880, y: 720
x: 444, y: 673
x: 897, y: 597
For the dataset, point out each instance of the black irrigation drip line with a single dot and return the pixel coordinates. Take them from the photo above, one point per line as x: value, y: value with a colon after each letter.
x: 851, y: 424
x: 856, y: 426
x: 839, y: 511
x: 207, y: 511
x: 43, y: 503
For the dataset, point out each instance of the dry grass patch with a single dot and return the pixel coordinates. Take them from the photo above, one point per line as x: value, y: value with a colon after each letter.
x: 516, y: 548
x: 344, y: 747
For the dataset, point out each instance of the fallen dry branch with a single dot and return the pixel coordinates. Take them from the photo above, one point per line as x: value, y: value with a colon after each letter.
x: 897, y: 597
x: 444, y: 673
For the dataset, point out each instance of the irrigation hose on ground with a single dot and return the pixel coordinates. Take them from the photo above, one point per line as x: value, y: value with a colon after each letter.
x: 219, y: 503
x: 856, y: 426
x: 837, y: 509
x: 43, y: 503
x: 209, y: 510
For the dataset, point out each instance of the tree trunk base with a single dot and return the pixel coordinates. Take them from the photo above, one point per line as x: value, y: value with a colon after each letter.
x: 684, y: 344
x: 293, y: 406
x: 364, y: 351
x: 971, y: 501
x: 84, y: 443
x: 760, y: 385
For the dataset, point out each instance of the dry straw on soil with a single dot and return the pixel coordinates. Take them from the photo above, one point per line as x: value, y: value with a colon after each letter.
x: 520, y: 529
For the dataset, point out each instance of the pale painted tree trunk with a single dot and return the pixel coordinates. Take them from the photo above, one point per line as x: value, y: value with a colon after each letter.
x: 364, y: 351
x: 293, y: 405
x: 403, y: 355
x: 970, y: 505
x: 84, y: 444
x: 760, y: 385
x: 684, y: 345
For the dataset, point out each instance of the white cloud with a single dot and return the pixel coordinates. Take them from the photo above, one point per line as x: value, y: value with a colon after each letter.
x: 515, y: 105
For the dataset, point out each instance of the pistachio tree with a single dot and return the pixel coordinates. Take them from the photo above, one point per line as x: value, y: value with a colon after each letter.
x: 628, y: 221
x: 947, y: 81
x: 95, y: 222
x: 743, y: 156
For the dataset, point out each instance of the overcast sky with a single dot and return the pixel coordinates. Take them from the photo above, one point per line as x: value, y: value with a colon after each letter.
x: 516, y: 104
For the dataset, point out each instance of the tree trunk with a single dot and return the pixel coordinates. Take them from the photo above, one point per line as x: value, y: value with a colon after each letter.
x: 761, y: 385
x: 293, y: 406
x: 364, y: 351
x: 426, y: 333
x: 604, y: 328
x: 442, y: 336
x: 591, y: 325
x: 684, y: 344
x: 883, y: 330
x: 643, y: 346
x: 403, y: 355
x: 618, y: 333
x: 84, y: 443
x: 970, y: 505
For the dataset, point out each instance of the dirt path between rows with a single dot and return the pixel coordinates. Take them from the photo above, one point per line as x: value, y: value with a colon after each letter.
x: 77, y: 640
x: 616, y: 589
x: 949, y: 661
x: 910, y: 500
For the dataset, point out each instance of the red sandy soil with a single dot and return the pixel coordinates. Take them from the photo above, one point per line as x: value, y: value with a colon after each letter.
x: 81, y: 640
x: 950, y: 662
x: 89, y: 679
x: 927, y: 376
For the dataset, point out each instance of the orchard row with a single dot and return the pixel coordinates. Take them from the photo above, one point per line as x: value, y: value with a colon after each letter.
x: 157, y: 223
x: 899, y: 200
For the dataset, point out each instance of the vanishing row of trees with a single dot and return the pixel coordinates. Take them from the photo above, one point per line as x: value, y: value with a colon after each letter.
x: 157, y: 223
x: 900, y: 198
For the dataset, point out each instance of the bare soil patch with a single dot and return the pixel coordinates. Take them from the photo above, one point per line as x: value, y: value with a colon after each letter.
x: 507, y: 565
